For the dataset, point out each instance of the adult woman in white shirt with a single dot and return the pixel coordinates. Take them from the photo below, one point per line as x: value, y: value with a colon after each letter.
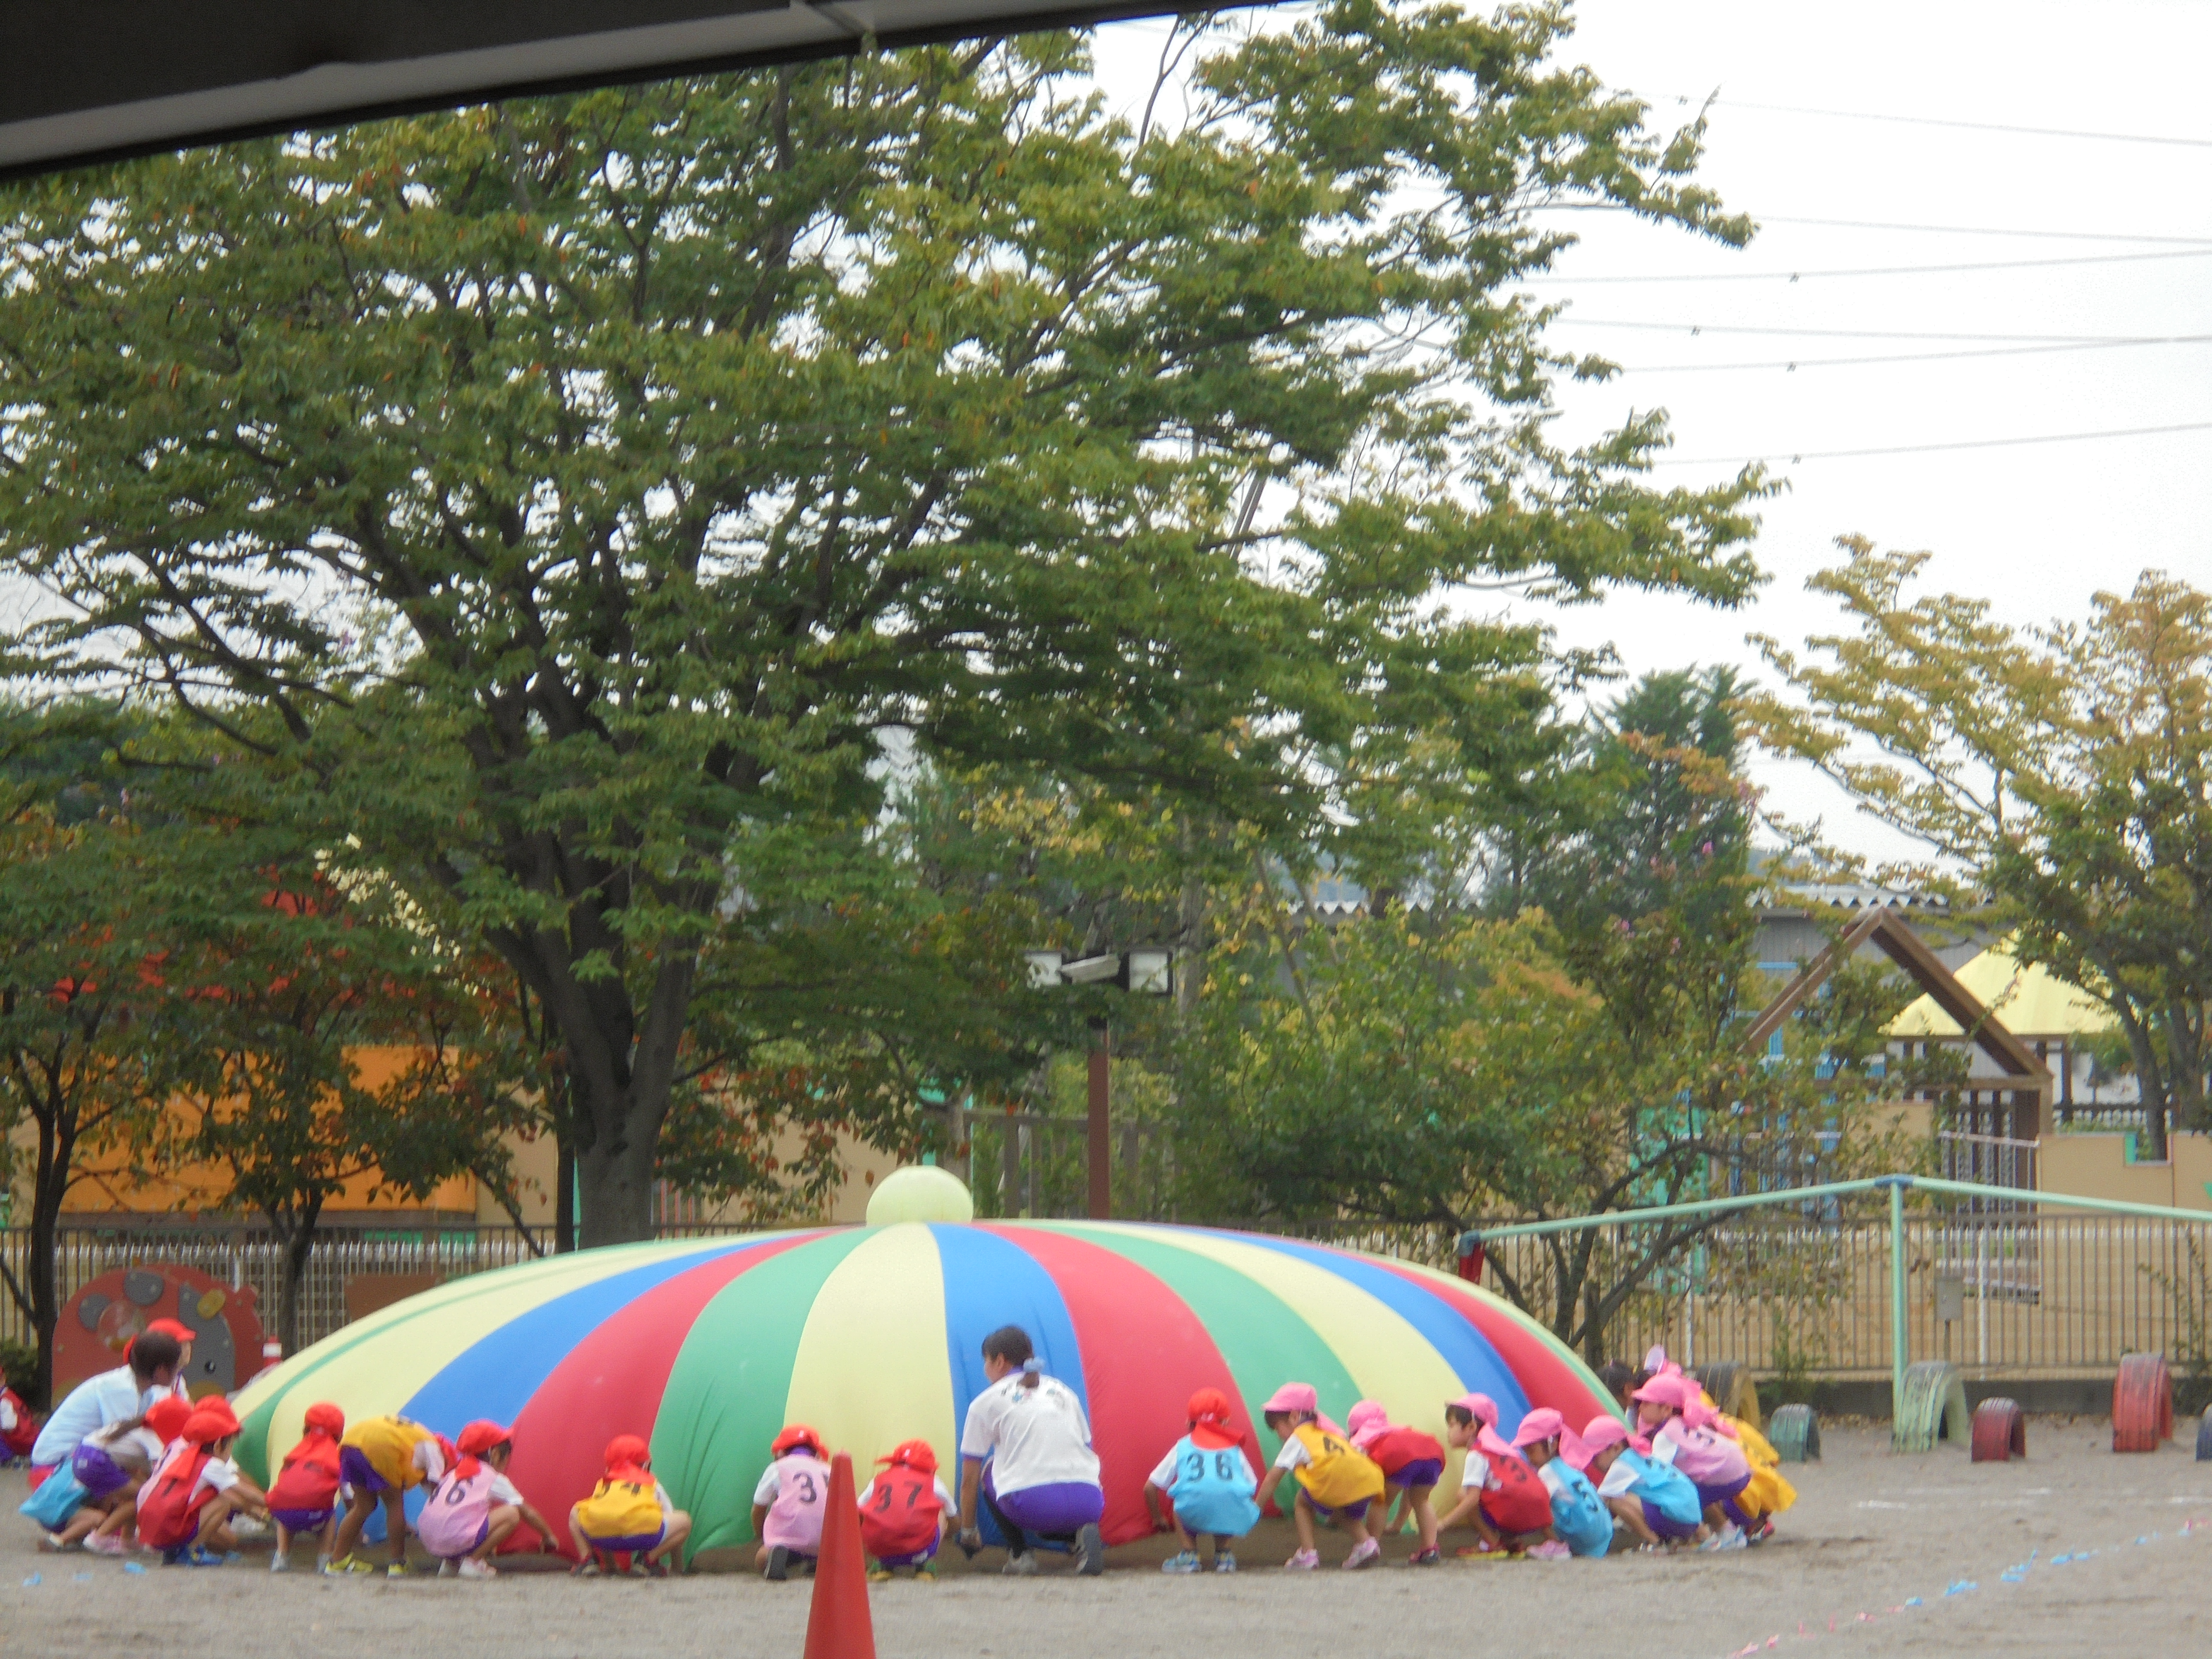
x: 1025, y: 1453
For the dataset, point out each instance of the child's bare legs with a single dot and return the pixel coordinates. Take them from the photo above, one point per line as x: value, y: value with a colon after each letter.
x: 214, y: 1533
x: 499, y: 1521
x: 395, y: 1524
x: 1302, y: 1516
x: 584, y: 1551
x: 679, y: 1528
x: 283, y: 1540
x: 88, y: 1520
x: 1425, y: 1516
x: 356, y: 1517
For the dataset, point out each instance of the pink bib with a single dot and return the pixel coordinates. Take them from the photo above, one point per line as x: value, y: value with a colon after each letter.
x: 802, y: 1490
x: 452, y: 1522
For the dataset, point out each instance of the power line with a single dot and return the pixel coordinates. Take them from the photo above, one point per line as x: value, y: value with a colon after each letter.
x: 1928, y: 449
x: 1968, y: 126
x: 1793, y: 365
x: 1984, y: 230
x: 1844, y: 333
x: 1877, y: 270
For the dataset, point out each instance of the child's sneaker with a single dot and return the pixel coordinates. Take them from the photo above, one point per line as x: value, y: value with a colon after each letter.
x: 348, y: 1566
x: 51, y: 1544
x: 1024, y: 1566
x: 1365, y: 1553
x: 473, y: 1568
x: 1427, y: 1557
x: 397, y: 1570
x: 1090, y: 1550
x: 109, y: 1543
x: 1224, y: 1561
x: 1550, y: 1549
x: 1729, y: 1537
x: 280, y: 1562
x: 585, y: 1568
x: 1304, y: 1561
x: 445, y: 1570
x: 925, y: 1572
x: 879, y: 1575
x: 1187, y: 1561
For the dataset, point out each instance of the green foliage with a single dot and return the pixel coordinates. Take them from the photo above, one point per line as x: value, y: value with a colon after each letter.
x: 583, y: 488
x: 2064, y: 768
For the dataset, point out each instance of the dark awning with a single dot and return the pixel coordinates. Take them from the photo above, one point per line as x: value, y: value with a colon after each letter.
x: 95, y: 79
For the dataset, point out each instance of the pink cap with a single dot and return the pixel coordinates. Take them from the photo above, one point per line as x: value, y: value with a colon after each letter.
x: 1368, y: 1422
x: 1292, y: 1397
x: 1663, y: 1390
x: 1481, y: 1406
x: 1604, y: 1429
x: 1542, y: 1423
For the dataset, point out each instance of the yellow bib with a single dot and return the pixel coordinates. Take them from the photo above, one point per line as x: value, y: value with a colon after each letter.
x: 1338, y: 1475
x: 388, y: 1443
x: 619, y: 1509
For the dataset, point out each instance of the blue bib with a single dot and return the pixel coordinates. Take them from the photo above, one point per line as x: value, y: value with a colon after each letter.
x: 1666, y: 1488
x: 1579, y: 1516
x: 1213, y: 1490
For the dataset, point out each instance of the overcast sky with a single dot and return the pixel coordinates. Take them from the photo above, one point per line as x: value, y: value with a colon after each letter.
x: 2036, y: 529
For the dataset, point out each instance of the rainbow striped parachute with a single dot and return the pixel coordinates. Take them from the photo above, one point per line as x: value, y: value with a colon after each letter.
x: 871, y: 1334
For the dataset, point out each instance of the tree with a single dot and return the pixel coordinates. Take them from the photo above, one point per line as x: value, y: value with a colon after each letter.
x: 2063, y: 771
x: 590, y: 485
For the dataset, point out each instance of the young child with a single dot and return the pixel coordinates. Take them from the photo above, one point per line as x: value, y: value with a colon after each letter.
x: 1212, y: 1486
x: 789, y: 1501
x: 628, y: 1512
x: 303, y: 1498
x: 1658, y: 1506
x: 905, y: 1512
x: 475, y: 1506
x: 1580, y: 1519
x: 1769, y: 1493
x: 1672, y: 1415
x: 1499, y: 1493
x: 1333, y: 1481
x: 184, y: 1509
x: 19, y: 1430
x: 111, y: 1465
x: 380, y: 1460
x: 1412, y: 1463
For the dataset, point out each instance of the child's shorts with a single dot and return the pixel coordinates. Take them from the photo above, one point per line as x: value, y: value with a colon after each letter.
x: 100, y: 1475
x: 1725, y: 1496
x: 301, y: 1519
x: 913, y: 1559
x: 356, y: 1470
x: 1664, y: 1524
x: 635, y: 1543
x: 1356, y: 1510
x: 1421, y: 1472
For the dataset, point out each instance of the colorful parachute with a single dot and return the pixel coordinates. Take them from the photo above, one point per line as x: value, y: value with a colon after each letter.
x: 871, y: 1334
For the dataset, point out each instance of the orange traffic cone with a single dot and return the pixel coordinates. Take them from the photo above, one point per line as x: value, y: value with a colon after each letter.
x: 838, y: 1626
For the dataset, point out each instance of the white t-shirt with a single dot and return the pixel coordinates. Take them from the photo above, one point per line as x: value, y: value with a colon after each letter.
x: 141, y: 1440
x: 1477, y: 1473
x: 1554, y: 1482
x: 504, y: 1491
x: 1163, y: 1473
x: 1035, y: 1437
x: 218, y: 1474
x: 945, y: 1501
x: 1620, y: 1479
x: 771, y: 1485
x: 1293, y: 1455
x: 93, y: 1403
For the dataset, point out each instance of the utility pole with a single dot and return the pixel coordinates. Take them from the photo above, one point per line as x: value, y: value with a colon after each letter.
x: 1101, y: 1158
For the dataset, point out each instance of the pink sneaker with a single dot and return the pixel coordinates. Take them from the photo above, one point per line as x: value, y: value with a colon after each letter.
x: 1550, y: 1549
x: 1365, y: 1553
x: 1304, y: 1561
x: 107, y: 1543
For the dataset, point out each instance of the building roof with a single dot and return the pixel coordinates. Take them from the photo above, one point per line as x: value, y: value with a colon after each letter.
x: 2032, y: 1001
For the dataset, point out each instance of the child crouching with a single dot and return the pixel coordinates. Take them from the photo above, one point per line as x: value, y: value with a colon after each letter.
x: 1212, y: 1485
x: 1658, y: 1506
x: 304, y: 1497
x: 904, y: 1512
x: 185, y: 1506
x: 476, y: 1507
x: 1580, y: 1519
x: 1332, y: 1481
x: 628, y: 1512
x: 1500, y: 1496
x: 789, y: 1503
x: 1412, y: 1463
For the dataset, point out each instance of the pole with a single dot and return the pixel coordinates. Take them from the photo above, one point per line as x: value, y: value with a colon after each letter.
x: 1101, y: 1159
x: 1896, y: 1308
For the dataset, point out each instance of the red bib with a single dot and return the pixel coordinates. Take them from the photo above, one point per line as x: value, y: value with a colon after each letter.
x: 309, y: 1479
x: 1519, y: 1503
x: 900, y: 1516
x: 169, y: 1504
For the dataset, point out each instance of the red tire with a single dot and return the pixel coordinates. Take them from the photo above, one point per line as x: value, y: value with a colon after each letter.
x: 2000, y: 1432
x: 2142, y: 1403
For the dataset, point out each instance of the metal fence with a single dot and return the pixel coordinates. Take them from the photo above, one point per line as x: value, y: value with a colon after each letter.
x: 1998, y: 1294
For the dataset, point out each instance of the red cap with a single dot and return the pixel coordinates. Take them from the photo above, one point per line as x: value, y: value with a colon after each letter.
x: 481, y: 1437
x: 629, y: 1458
x: 794, y: 1437
x: 211, y: 1420
x: 175, y: 1327
x: 325, y: 1418
x: 167, y: 1417
x: 1210, y: 1414
x: 912, y: 1454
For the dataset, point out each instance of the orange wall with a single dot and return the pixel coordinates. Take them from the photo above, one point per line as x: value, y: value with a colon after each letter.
x: 113, y: 1185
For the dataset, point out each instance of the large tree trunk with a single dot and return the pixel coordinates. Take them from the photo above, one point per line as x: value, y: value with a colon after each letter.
x: 616, y: 1176
x: 299, y: 1244
x: 49, y: 1185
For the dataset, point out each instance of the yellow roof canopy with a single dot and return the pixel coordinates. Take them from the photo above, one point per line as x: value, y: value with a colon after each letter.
x: 2032, y: 1001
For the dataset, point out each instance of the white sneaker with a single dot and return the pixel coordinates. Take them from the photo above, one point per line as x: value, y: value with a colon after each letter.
x: 1729, y: 1537
x: 445, y: 1570
x: 280, y: 1562
x: 473, y: 1568
x: 1365, y: 1553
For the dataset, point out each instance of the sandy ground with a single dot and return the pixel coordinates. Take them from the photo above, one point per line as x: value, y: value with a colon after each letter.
x: 1870, y: 1532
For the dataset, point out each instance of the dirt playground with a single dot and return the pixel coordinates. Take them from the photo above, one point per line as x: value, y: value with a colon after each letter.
x: 2074, y: 1552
